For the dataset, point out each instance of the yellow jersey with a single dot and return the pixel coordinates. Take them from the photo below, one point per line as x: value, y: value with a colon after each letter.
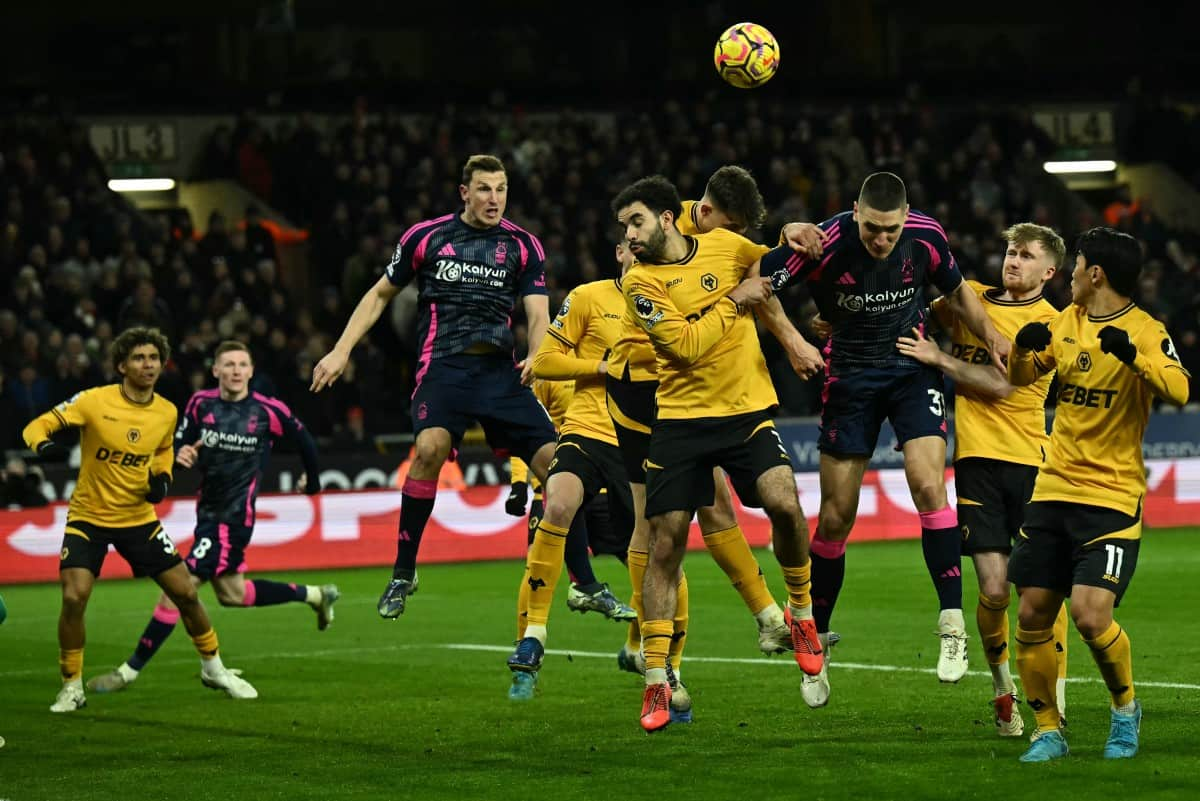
x: 1095, y: 454
x: 632, y: 357
x: 555, y: 397
x: 707, y: 356
x: 578, y: 339
x: 121, y: 443
x: 1011, y: 429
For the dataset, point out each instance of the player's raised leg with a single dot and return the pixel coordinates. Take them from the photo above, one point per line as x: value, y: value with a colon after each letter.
x: 941, y: 543
x: 841, y: 480
x: 727, y: 545
x: 789, y: 532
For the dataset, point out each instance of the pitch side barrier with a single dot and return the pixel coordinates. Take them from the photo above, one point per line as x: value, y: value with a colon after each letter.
x: 354, y: 523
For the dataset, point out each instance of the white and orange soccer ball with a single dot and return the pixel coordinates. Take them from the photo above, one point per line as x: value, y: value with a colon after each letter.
x: 746, y: 55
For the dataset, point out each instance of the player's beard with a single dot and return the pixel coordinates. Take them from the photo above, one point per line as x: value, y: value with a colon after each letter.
x: 654, y: 248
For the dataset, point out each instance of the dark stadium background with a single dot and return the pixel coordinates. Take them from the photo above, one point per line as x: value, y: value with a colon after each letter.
x: 345, y: 122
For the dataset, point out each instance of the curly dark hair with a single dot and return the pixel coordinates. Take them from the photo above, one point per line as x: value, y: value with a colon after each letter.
x: 658, y: 193
x: 131, y: 338
x: 732, y: 189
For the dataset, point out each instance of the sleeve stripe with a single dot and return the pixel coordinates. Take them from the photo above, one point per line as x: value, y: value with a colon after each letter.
x: 62, y: 420
x: 560, y: 338
x: 421, y: 226
x: 509, y: 225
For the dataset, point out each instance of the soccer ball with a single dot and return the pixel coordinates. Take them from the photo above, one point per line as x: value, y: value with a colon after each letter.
x: 746, y: 55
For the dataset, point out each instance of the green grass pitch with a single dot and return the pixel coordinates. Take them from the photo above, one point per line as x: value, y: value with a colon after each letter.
x: 416, y: 708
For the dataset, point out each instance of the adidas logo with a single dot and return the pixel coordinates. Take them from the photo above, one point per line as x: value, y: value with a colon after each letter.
x: 846, y: 280
x: 447, y: 250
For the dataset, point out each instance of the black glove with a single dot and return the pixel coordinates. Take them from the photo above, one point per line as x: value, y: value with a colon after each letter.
x: 1033, y: 336
x: 518, y: 496
x: 159, y: 484
x: 50, y: 450
x: 1115, y: 341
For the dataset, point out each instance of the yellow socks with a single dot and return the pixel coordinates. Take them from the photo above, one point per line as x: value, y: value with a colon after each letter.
x: 680, y: 623
x: 70, y: 664
x: 1038, y: 666
x: 732, y: 553
x: 636, y: 561
x: 992, y: 619
x: 544, y: 564
x: 799, y: 585
x: 1114, y: 657
x: 656, y: 642
x: 206, y: 644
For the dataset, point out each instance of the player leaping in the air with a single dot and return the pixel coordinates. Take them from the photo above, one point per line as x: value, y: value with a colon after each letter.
x: 870, y: 284
x: 471, y: 268
x: 227, y: 433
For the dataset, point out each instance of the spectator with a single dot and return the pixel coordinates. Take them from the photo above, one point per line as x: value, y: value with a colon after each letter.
x: 21, y: 486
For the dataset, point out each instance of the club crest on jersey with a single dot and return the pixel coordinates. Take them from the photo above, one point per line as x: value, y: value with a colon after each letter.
x: 906, y: 271
x: 501, y: 251
x: 708, y: 281
x: 1084, y: 362
x: 133, y: 435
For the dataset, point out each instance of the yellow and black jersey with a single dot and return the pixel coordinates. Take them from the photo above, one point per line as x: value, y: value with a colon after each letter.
x: 632, y: 357
x: 687, y: 218
x: 709, y: 362
x: 121, y: 443
x: 1011, y: 429
x: 555, y: 396
x: 1095, y: 454
x: 578, y: 339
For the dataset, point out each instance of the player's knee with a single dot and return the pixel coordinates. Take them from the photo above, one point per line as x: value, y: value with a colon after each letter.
x: 185, y: 598
x: 74, y: 601
x: 560, y: 510
x: 783, y: 512
x: 834, y: 525
x: 229, y: 597
x: 995, y: 591
x: 1091, y: 622
x: 929, y: 496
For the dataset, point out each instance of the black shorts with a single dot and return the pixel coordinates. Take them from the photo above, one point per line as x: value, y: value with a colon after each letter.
x: 683, y: 454
x: 455, y: 391
x: 855, y: 406
x: 599, y: 466
x: 218, y: 549
x: 1062, y: 544
x: 631, y: 406
x: 991, y: 502
x: 146, y: 547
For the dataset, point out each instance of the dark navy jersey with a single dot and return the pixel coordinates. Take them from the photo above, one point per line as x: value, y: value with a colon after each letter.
x: 469, y: 280
x: 870, y: 302
x: 237, y: 437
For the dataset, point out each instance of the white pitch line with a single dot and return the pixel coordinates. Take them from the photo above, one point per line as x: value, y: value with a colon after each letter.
x: 504, y: 649
x: 730, y: 660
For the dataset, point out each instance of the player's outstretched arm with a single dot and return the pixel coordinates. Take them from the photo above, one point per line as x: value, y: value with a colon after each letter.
x: 805, y: 359
x: 984, y: 380
x: 365, y: 314
x: 537, y: 317
x: 966, y: 306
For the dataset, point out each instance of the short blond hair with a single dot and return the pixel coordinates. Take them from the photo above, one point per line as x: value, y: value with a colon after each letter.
x: 1023, y: 233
